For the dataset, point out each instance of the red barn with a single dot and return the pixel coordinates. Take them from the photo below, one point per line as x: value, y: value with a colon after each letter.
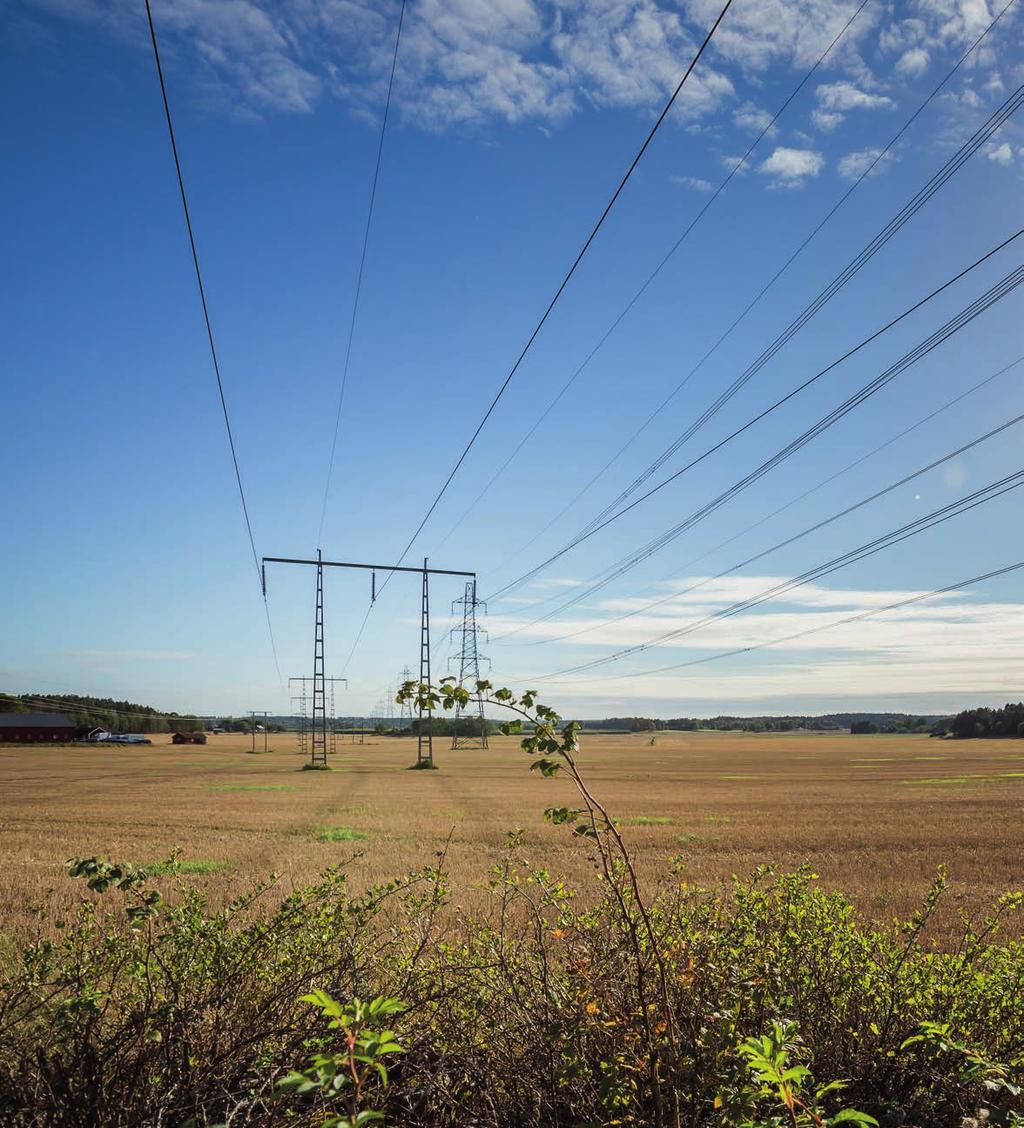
x: 34, y: 728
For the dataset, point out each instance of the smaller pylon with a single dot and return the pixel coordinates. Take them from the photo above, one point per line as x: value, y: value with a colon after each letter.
x: 405, y: 713
x: 469, y: 731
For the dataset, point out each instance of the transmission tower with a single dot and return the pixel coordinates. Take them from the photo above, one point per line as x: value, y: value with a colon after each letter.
x: 303, y: 700
x: 332, y: 722
x: 318, y: 730
x: 405, y: 713
x: 469, y: 658
x: 253, y: 714
x: 425, y: 728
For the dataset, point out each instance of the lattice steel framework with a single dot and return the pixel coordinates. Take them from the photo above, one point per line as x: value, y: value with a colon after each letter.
x: 425, y: 728
x: 469, y: 659
x: 303, y: 699
x: 405, y: 713
x: 318, y: 729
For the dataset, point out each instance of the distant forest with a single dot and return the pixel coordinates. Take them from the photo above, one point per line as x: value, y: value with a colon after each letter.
x: 101, y: 712
x: 828, y: 722
x: 1007, y: 721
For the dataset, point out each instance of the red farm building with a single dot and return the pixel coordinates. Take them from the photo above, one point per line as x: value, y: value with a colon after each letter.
x: 35, y: 728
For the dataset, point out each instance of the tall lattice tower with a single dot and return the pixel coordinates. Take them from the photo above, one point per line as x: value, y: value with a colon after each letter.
x: 469, y: 658
x: 425, y: 726
x: 318, y: 728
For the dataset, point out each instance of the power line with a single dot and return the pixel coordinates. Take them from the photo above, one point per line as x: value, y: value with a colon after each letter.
x: 199, y: 282
x: 565, y: 281
x: 910, y: 209
x: 913, y: 528
x: 362, y: 269
x: 733, y: 171
x: 206, y: 320
x: 876, y: 160
x: 845, y: 512
x: 674, y: 595
x: 994, y: 294
x: 980, y: 305
x: 958, y: 585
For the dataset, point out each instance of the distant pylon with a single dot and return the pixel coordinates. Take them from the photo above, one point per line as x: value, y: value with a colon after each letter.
x: 469, y: 657
x: 405, y: 714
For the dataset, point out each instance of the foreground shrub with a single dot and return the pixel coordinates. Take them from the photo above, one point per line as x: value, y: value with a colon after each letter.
x: 174, y: 1014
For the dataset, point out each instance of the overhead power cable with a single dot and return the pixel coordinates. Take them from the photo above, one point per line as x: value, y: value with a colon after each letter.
x: 209, y: 326
x: 679, y: 593
x: 846, y: 511
x: 913, y: 528
x: 361, y: 272
x: 565, y: 281
x: 897, y: 605
x: 980, y: 305
x: 880, y: 156
x: 910, y: 209
x: 736, y: 168
x: 1000, y: 290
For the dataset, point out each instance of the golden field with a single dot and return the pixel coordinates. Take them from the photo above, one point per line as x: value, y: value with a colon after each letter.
x: 873, y: 815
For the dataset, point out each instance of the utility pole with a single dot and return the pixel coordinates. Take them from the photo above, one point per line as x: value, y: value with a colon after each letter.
x: 319, y: 732
x: 469, y: 657
x: 254, y: 713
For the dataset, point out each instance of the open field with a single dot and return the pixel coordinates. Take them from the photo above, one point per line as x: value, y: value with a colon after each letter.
x: 873, y: 815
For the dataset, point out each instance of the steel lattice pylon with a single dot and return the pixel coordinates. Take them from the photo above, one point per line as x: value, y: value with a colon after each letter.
x: 318, y: 729
x: 425, y: 728
x: 469, y: 658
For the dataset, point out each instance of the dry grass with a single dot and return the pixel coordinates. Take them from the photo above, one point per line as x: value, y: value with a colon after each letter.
x: 873, y: 815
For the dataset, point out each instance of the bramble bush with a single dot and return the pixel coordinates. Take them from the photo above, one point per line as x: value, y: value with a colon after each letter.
x: 771, y: 1003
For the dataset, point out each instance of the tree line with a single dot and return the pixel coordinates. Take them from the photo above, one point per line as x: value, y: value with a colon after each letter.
x: 102, y: 712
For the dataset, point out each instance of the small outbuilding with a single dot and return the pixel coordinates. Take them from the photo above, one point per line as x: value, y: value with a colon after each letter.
x: 35, y: 728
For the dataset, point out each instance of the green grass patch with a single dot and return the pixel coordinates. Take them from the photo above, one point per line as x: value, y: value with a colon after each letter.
x: 315, y: 768
x: 740, y: 777
x: 421, y: 767
x: 873, y: 760
x: 646, y: 820
x: 685, y: 839
x: 947, y: 781
x: 181, y: 866
x: 341, y: 834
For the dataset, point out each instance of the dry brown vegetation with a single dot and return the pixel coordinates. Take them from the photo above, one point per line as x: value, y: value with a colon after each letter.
x: 873, y: 815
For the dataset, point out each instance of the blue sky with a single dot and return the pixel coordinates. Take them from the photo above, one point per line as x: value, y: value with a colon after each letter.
x: 126, y: 568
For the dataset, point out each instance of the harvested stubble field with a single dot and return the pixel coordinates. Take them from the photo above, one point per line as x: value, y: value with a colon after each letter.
x: 873, y: 815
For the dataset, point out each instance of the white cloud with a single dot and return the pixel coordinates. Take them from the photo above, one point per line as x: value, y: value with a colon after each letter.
x: 791, y: 167
x: 855, y: 164
x: 1001, y: 154
x: 791, y: 32
x: 694, y: 182
x: 959, y: 643
x: 752, y: 117
x: 913, y: 62
x: 847, y: 96
x: 836, y: 99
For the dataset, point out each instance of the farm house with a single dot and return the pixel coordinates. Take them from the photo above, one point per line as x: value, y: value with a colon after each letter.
x: 30, y: 728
